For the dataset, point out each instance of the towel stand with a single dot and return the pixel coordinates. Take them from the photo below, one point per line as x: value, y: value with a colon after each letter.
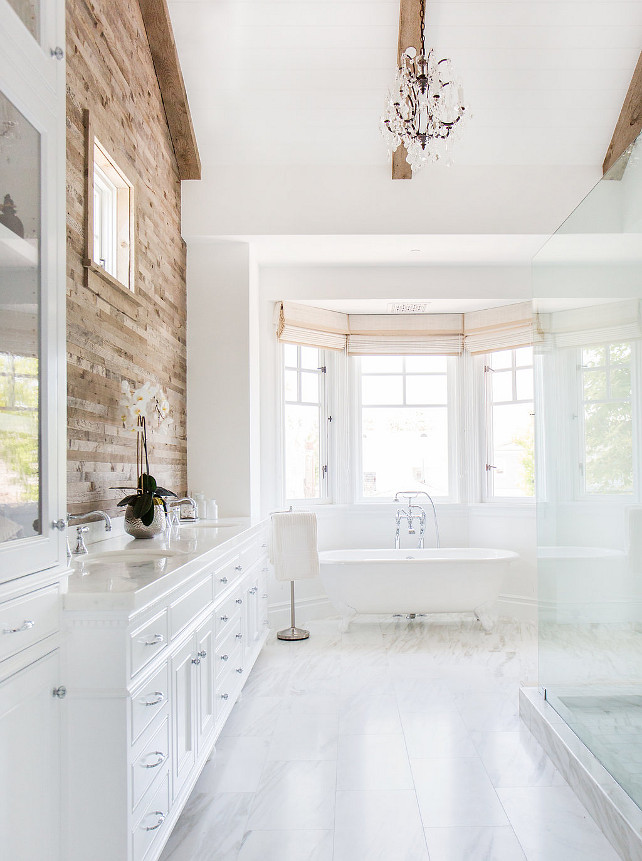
x: 292, y: 633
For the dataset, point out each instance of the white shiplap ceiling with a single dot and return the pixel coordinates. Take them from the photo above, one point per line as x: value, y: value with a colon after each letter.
x: 302, y: 82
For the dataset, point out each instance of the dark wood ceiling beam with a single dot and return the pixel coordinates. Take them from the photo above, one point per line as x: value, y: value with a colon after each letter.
x: 629, y: 124
x: 409, y: 36
x: 160, y: 36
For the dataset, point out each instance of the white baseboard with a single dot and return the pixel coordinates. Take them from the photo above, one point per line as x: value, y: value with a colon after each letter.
x: 306, y: 610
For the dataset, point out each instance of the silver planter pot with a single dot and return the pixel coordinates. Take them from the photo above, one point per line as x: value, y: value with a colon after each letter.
x: 135, y: 527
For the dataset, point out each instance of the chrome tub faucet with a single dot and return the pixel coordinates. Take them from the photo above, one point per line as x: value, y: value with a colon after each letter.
x: 411, y: 513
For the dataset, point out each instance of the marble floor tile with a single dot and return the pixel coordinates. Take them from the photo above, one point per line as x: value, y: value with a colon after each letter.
x: 552, y: 825
x: 211, y: 828
x: 456, y: 792
x: 373, y: 762
x: 236, y: 764
x: 474, y: 844
x: 295, y: 795
x: 286, y: 846
x: 436, y: 734
x: 515, y: 759
x: 253, y: 716
x: 378, y: 824
x: 304, y: 737
x: 368, y: 714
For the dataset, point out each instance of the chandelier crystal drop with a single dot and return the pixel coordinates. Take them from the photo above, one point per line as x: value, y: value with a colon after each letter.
x: 425, y: 106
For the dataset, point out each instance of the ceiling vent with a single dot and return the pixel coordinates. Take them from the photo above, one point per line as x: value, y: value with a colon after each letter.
x: 407, y: 307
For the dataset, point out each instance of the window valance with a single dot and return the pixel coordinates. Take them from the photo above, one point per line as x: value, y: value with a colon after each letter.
x: 311, y: 327
x: 504, y: 328
x: 594, y: 324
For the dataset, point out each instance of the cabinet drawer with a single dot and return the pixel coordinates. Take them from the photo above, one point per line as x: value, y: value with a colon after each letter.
x: 147, y: 641
x: 251, y: 552
x: 227, y: 689
x: 227, y: 615
x: 229, y: 654
x: 150, y: 825
x: 150, y: 760
x: 25, y: 620
x: 227, y: 574
x: 148, y: 701
x: 188, y: 606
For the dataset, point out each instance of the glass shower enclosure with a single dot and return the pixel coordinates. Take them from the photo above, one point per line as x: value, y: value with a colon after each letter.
x: 587, y: 286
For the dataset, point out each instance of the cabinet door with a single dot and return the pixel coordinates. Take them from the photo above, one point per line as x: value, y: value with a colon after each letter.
x: 252, y: 626
x: 32, y: 294
x: 30, y: 788
x: 206, y: 711
x: 183, y: 713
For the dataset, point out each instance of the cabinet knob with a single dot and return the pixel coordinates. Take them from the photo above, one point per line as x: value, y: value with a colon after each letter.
x: 239, y: 636
x: 59, y: 525
x: 239, y: 669
x: 202, y: 653
x: 60, y: 692
x: 57, y: 52
x: 225, y: 696
x: 225, y: 618
x: 239, y: 600
x: 254, y: 590
x: 225, y: 657
x: 223, y: 579
x: 196, y: 660
x: 238, y: 567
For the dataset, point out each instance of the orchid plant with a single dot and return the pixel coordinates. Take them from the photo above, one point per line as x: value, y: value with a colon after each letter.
x: 138, y: 407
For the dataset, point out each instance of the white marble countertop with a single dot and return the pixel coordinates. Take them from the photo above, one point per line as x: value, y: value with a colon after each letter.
x: 119, y: 583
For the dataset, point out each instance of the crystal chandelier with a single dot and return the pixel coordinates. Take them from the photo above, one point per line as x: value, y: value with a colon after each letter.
x: 424, y: 106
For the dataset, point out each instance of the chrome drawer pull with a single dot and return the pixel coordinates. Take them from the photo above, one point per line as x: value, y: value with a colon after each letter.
x: 238, y: 567
x: 239, y: 636
x: 225, y: 657
x: 28, y: 623
x: 160, y: 696
x: 254, y: 590
x: 239, y: 670
x: 224, y: 696
x: 225, y: 618
x: 156, y: 640
x: 239, y: 600
x: 223, y: 579
x: 161, y: 819
x: 161, y: 759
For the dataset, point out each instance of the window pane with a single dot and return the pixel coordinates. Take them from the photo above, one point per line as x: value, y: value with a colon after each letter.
x: 620, y: 353
x: 310, y: 358
x: 514, y: 473
x: 426, y: 389
x: 290, y: 380
x: 425, y: 364
x: 621, y: 383
x: 593, y: 358
x: 594, y: 385
x: 310, y: 387
x: 382, y: 390
x: 381, y: 364
x: 405, y: 449
x: 524, y: 357
x: 289, y: 355
x: 301, y: 452
x: 502, y: 386
x: 524, y: 382
x: 608, y: 441
x: 501, y: 359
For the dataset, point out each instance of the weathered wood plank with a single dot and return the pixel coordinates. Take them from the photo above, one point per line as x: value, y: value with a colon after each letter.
x: 409, y: 36
x: 629, y: 124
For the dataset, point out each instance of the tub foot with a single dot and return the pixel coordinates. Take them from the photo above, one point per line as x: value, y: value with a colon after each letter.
x: 486, y: 616
x: 347, y: 615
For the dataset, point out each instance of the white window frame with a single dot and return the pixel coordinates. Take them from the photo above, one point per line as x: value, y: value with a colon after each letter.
x: 356, y: 452
x: 576, y: 397
x: 486, y: 430
x: 105, y: 228
x: 326, y: 434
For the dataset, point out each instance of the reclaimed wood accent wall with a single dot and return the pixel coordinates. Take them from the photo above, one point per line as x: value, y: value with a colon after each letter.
x: 115, y: 334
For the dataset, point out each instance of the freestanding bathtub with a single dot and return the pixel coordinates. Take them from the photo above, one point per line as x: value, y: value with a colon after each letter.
x: 435, y: 580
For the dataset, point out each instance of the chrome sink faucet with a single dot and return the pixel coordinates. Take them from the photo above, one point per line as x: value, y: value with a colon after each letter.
x: 411, y: 513
x: 89, y: 517
x: 185, y: 500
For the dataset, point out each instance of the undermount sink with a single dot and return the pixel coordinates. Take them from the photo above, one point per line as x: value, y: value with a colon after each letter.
x: 132, y: 557
x: 210, y: 524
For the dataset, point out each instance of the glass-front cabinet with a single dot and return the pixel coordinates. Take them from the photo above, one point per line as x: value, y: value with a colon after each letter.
x: 32, y: 217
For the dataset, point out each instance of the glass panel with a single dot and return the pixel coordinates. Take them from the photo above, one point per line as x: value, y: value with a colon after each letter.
x: 310, y: 387
x: 427, y: 389
x: 381, y: 364
x: 301, y: 452
x: 524, y: 383
x: 382, y: 390
x: 425, y: 364
x: 310, y: 358
x: 20, y: 494
x: 29, y: 13
x: 404, y: 448
x: 502, y: 386
x: 524, y: 357
x: 590, y: 556
x: 501, y: 359
x: 290, y: 355
x: 513, y: 457
x: 290, y: 383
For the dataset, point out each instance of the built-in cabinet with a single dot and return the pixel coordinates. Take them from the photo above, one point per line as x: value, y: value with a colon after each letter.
x: 32, y: 424
x: 149, y: 692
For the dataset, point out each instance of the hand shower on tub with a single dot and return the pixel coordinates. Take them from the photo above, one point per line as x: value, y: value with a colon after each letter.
x: 414, y: 512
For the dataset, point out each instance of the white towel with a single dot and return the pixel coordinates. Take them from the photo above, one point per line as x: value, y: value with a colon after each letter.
x: 294, y: 545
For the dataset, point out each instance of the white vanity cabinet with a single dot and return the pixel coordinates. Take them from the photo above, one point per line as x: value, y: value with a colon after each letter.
x: 149, y: 690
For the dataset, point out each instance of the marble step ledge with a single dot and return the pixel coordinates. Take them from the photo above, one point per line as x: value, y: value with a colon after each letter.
x: 616, y: 814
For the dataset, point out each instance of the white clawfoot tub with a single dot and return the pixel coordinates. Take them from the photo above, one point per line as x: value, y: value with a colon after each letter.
x: 435, y: 580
